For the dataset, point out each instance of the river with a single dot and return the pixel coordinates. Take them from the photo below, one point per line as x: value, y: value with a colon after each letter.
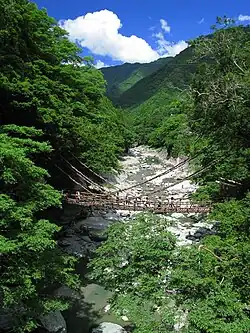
x: 141, y: 163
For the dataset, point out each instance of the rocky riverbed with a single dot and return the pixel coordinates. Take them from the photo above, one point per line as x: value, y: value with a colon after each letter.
x: 82, y: 237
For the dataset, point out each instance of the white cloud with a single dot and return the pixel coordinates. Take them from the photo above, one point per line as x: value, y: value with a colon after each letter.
x: 100, y: 64
x: 243, y: 18
x: 99, y: 32
x: 166, y: 48
x: 152, y: 28
x: 201, y: 21
x: 164, y: 25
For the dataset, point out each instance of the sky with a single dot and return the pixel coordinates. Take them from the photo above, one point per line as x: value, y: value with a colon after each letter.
x: 119, y: 31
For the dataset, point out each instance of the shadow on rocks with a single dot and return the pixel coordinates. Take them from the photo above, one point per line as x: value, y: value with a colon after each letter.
x: 80, y: 317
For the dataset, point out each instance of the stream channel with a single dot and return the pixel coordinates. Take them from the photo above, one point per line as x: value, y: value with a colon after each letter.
x: 90, y: 306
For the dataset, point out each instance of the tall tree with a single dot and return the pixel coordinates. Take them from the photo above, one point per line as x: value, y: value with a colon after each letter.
x: 30, y: 260
x: 45, y: 83
x: 221, y: 110
x: 52, y: 103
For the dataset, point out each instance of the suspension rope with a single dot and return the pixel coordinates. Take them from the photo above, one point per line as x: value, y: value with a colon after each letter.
x: 88, y: 180
x: 161, y: 174
x: 73, y: 180
x: 195, y: 174
x: 85, y: 166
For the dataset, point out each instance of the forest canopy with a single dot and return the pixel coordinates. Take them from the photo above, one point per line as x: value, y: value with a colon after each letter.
x: 52, y: 104
x: 203, y: 287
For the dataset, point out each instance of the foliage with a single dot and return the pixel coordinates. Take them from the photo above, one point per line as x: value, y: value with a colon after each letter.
x: 52, y: 104
x: 30, y: 259
x: 221, y: 108
x: 130, y: 259
x: 212, y: 276
x: 209, y: 281
x: 173, y: 134
x: 123, y: 77
x: 140, y: 264
x: 134, y: 263
x: 44, y: 84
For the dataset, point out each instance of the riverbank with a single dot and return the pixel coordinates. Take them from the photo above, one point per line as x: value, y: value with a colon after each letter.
x: 141, y: 163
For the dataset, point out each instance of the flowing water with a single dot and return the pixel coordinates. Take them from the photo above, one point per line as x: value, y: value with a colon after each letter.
x: 90, y: 305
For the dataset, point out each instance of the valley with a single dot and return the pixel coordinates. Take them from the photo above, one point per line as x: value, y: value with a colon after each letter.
x: 141, y: 163
x: 68, y: 127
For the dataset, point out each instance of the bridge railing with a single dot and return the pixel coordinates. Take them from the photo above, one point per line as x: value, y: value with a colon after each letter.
x: 136, y: 204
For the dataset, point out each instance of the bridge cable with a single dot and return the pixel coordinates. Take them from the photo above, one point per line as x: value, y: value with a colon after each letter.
x: 73, y: 180
x: 85, y: 166
x: 161, y: 174
x: 88, y: 180
x: 186, y: 178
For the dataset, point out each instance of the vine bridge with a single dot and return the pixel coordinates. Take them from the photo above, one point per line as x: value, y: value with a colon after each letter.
x: 159, y: 205
x: 98, y: 197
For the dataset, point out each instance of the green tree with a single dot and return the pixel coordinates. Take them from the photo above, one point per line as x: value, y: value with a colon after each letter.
x: 221, y: 105
x: 31, y: 263
x: 212, y: 276
x: 43, y: 84
x: 51, y: 106
x: 134, y: 263
x: 173, y: 134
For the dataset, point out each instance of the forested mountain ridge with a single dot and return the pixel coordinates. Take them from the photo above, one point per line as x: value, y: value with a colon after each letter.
x: 177, y: 72
x: 123, y: 77
x: 155, y: 97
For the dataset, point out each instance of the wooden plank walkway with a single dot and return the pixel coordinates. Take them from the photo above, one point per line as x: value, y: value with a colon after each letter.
x: 160, y: 206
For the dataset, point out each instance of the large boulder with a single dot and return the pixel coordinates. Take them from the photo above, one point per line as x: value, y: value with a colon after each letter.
x: 54, y: 322
x: 108, y: 328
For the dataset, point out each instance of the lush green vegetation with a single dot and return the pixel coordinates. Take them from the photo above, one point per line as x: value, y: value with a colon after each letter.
x: 121, y: 78
x: 30, y: 259
x: 204, y: 287
x: 44, y: 84
x: 157, y: 96
x: 165, y: 125
x: 52, y: 104
x: 174, y: 75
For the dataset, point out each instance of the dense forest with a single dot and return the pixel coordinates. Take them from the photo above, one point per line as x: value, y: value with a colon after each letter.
x: 121, y: 78
x: 54, y: 107
x: 204, y: 287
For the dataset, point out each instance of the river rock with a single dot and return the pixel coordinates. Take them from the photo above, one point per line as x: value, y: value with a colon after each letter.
x: 191, y: 238
x: 54, y: 322
x: 200, y: 233
x: 71, y: 212
x: 63, y: 243
x: 98, y: 238
x: 86, y: 239
x: 107, y: 308
x: 82, y: 229
x: 108, y: 328
x: 66, y: 292
x: 169, y: 218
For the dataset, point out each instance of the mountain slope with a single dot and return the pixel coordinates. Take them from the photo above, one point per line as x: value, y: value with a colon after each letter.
x: 176, y: 73
x: 123, y: 77
x: 156, y: 97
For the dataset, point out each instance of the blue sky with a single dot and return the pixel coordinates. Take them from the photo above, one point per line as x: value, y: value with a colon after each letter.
x: 117, y: 31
